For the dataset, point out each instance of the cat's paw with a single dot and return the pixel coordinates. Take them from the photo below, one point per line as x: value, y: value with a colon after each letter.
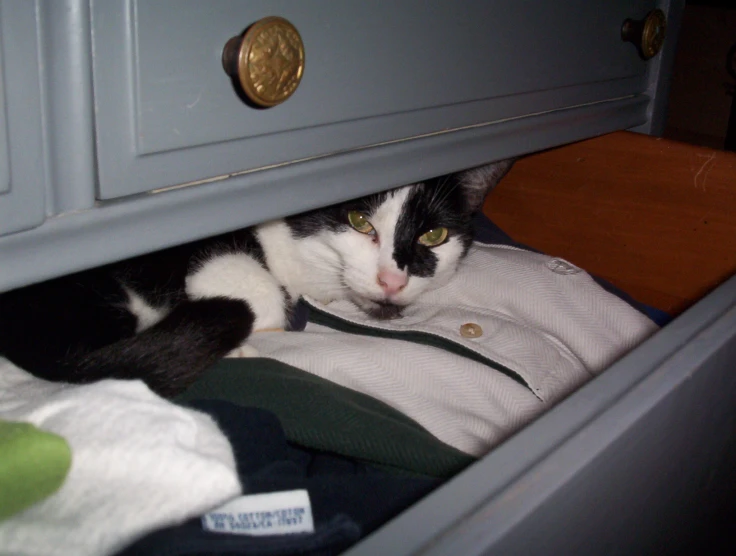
x: 245, y: 350
x: 238, y: 276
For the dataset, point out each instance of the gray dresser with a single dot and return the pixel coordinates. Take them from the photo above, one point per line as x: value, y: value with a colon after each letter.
x: 121, y: 133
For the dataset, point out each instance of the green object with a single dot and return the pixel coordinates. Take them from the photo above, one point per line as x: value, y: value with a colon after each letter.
x: 33, y: 465
x: 319, y: 414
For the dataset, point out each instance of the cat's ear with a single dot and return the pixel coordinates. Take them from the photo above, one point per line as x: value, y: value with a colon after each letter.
x: 476, y: 183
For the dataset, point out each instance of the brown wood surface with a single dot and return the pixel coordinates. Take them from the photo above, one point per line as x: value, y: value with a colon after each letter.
x: 657, y: 218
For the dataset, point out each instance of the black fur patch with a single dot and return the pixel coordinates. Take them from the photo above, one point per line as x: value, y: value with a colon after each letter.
x: 333, y: 218
x: 77, y: 328
x: 44, y: 323
x: 160, y: 277
x: 437, y: 203
x: 170, y: 355
x: 385, y: 311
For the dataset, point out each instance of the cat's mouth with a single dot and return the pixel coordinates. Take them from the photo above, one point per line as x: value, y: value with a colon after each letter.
x: 383, y: 310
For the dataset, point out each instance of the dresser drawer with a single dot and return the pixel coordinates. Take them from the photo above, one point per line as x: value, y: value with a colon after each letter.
x: 22, y: 177
x: 641, y: 459
x: 168, y: 114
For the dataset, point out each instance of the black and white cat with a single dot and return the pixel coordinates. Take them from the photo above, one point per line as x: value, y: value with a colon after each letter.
x: 166, y: 317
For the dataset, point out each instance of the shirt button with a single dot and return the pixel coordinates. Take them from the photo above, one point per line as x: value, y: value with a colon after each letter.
x: 561, y: 266
x: 471, y: 330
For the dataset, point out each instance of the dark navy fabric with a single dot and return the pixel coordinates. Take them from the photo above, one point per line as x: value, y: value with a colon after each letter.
x: 349, y: 499
x: 299, y: 316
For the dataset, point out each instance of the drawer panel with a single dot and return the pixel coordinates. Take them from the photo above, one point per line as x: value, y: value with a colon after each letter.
x: 22, y: 178
x: 168, y: 114
x: 4, y: 144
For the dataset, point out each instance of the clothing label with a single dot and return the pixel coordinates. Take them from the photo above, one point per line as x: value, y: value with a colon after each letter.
x: 273, y: 513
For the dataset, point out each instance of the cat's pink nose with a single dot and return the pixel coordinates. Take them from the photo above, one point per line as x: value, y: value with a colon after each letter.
x: 391, y: 282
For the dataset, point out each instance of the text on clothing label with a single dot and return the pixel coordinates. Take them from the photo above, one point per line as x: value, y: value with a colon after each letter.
x: 273, y: 513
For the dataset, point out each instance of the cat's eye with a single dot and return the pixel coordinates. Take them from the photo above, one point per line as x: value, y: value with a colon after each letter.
x: 359, y: 221
x: 433, y: 237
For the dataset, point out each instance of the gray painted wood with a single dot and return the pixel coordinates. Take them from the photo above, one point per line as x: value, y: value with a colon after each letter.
x: 66, y: 76
x: 4, y: 142
x: 120, y: 229
x: 22, y: 177
x: 375, y: 72
x: 659, y: 70
x: 655, y: 428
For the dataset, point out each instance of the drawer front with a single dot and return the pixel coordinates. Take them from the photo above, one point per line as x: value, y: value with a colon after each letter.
x: 21, y: 151
x: 374, y: 72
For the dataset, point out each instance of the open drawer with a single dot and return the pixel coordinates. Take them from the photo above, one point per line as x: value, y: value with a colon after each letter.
x: 627, y: 463
x: 636, y: 459
x: 640, y: 460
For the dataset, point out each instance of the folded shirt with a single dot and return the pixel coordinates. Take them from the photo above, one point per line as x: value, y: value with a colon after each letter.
x: 545, y: 328
x: 464, y: 368
x: 473, y: 361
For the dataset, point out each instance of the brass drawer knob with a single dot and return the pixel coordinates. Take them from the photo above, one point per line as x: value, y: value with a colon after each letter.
x: 267, y: 61
x: 646, y: 34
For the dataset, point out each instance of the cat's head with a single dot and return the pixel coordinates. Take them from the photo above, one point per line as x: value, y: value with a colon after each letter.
x: 387, y: 249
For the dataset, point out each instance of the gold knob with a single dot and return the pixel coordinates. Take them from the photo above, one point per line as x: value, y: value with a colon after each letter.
x: 267, y: 61
x: 647, y: 34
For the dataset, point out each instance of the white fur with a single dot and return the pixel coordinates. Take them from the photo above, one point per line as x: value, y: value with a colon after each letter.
x: 367, y: 255
x: 146, y: 314
x: 328, y: 266
x: 364, y: 258
x: 303, y: 266
x: 238, y: 276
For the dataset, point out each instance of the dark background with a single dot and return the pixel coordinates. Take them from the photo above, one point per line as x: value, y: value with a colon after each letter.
x: 701, y: 94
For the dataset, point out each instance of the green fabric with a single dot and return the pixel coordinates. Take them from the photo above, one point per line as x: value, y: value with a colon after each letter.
x: 322, y: 415
x: 33, y: 465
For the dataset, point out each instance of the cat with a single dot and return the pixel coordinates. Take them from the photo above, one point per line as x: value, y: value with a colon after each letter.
x: 166, y: 317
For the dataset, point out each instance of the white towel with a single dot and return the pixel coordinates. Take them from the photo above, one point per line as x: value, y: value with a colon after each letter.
x: 139, y: 463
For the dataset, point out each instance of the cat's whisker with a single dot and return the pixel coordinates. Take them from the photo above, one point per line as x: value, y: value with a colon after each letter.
x: 433, y: 200
x: 441, y: 193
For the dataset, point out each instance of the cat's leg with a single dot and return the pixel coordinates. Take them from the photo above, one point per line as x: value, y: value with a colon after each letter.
x: 79, y: 329
x: 239, y: 276
x: 172, y: 353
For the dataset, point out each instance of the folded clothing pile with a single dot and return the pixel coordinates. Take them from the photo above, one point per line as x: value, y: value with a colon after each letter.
x: 470, y: 363
x: 138, y: 463
x: 357, y: 417
x: 345, y: 498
